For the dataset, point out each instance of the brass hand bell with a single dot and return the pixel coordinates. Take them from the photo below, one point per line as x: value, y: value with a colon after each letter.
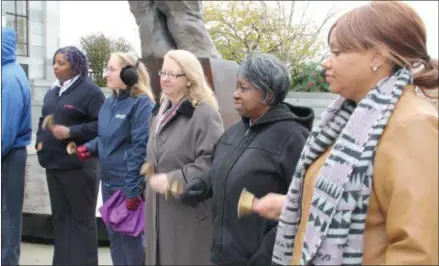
x: 245, y: 203
x: 48, y: 122
x: 39, y: 146
x: 147, y: 169
x: 71, y: 148
x: 175, y: 187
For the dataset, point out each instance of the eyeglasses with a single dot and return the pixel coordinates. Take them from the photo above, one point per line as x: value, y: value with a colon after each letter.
x: 170, y: 74
x: 110, y: 69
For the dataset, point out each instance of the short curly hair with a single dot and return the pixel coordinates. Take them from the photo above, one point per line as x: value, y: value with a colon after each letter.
x: 77, y: 59
x: 267, y: 73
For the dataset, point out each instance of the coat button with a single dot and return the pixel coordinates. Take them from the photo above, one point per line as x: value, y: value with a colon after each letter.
x: 162, y: 140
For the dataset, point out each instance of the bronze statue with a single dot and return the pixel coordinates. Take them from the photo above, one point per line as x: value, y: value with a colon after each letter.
x: 166, y: 25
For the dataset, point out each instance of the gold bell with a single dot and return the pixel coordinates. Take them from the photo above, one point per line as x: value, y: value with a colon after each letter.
x: 174, y: 189
x: 147, y: 170
x: 48, y: 122
x: 245, y: 203
x: 71, y: 148
x: 39, y: 146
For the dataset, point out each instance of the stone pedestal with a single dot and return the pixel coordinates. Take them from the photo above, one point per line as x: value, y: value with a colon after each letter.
x: 221, y: 75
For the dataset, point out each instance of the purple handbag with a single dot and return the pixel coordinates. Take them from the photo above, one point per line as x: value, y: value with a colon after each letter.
x: 115, y: 214
x: 109, y: 205
x: 119, y: 213
x: 133, y: 223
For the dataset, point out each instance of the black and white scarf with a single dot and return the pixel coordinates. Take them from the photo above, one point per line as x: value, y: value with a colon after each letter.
x: 334, y: 232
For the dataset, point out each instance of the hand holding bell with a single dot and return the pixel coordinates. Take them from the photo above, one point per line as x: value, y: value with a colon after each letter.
x: 60, y: 131
x: 39, y: 146
x: 245, y: 203
x: 48, y: 122
x: 160, y: 183
x: 147, y: 170
x: 269, y: 206
x: 175, y: 188
x: 81, y: 152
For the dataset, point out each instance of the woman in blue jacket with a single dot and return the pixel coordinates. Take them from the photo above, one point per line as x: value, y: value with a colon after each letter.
x: 121, y: 145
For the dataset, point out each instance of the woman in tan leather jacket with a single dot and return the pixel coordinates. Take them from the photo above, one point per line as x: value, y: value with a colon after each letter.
x: 365, y: 190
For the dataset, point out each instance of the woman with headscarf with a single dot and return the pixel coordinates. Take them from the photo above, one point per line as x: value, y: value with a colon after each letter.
x: 365, y: 190
x: 259, y: 153
x: 74, y: 104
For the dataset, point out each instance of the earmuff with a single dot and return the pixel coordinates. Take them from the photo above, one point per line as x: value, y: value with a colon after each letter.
x: 128, y: 74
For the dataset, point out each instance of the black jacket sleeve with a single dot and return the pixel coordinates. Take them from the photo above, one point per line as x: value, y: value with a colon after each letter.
x: 287, y: 165
x: 88, y: 131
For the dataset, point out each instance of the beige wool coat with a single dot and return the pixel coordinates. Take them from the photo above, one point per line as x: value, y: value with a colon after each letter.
x: 177, y: 234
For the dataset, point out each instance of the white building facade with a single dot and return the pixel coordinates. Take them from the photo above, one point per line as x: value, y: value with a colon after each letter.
x: 37, y: 24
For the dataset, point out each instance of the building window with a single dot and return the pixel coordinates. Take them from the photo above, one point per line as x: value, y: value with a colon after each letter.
x: 26, y: 69
x: 17, y: 17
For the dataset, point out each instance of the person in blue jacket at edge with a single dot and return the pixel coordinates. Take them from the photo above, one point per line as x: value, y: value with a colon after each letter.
x: 16, y: 135
x: 121, y: 145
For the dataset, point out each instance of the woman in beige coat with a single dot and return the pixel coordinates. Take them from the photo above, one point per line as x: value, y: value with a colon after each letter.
x: 366, y: 188
x: 183, y: 131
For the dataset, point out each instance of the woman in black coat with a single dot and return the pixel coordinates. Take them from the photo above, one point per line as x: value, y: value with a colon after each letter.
x: 74, y: 103
x: 258, y: 153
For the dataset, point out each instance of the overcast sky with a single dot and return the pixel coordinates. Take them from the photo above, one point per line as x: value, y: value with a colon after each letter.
x: 113, y: 18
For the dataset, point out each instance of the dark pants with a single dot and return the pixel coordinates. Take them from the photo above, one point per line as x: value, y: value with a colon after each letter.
x: 73, y: 198
x: 13, y: 171
x: 125, y: 249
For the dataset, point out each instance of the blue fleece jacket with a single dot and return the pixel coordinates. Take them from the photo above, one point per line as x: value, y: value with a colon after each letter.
x: 16, y: 101
x: 121, y: 142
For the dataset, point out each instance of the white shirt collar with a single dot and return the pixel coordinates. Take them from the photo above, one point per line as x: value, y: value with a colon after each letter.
x: 66, y: 84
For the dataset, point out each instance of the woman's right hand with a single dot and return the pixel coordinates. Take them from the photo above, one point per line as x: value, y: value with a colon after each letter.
x: 82, y: 153
x: 194, y: 192
x: 269, y: 206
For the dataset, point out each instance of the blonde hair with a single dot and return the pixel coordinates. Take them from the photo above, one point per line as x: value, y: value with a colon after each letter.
x: 143, y: 85
x: 395, y: 26
x: 199, y: 91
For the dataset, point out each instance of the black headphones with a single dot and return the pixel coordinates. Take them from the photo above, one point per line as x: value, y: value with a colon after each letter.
x: 128, y: 74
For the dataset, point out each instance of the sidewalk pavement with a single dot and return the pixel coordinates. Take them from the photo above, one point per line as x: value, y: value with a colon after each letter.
x: 39, y: 254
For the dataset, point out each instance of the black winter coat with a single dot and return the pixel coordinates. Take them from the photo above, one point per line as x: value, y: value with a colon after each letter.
x: 261, y: 158
x: 76, y: 108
